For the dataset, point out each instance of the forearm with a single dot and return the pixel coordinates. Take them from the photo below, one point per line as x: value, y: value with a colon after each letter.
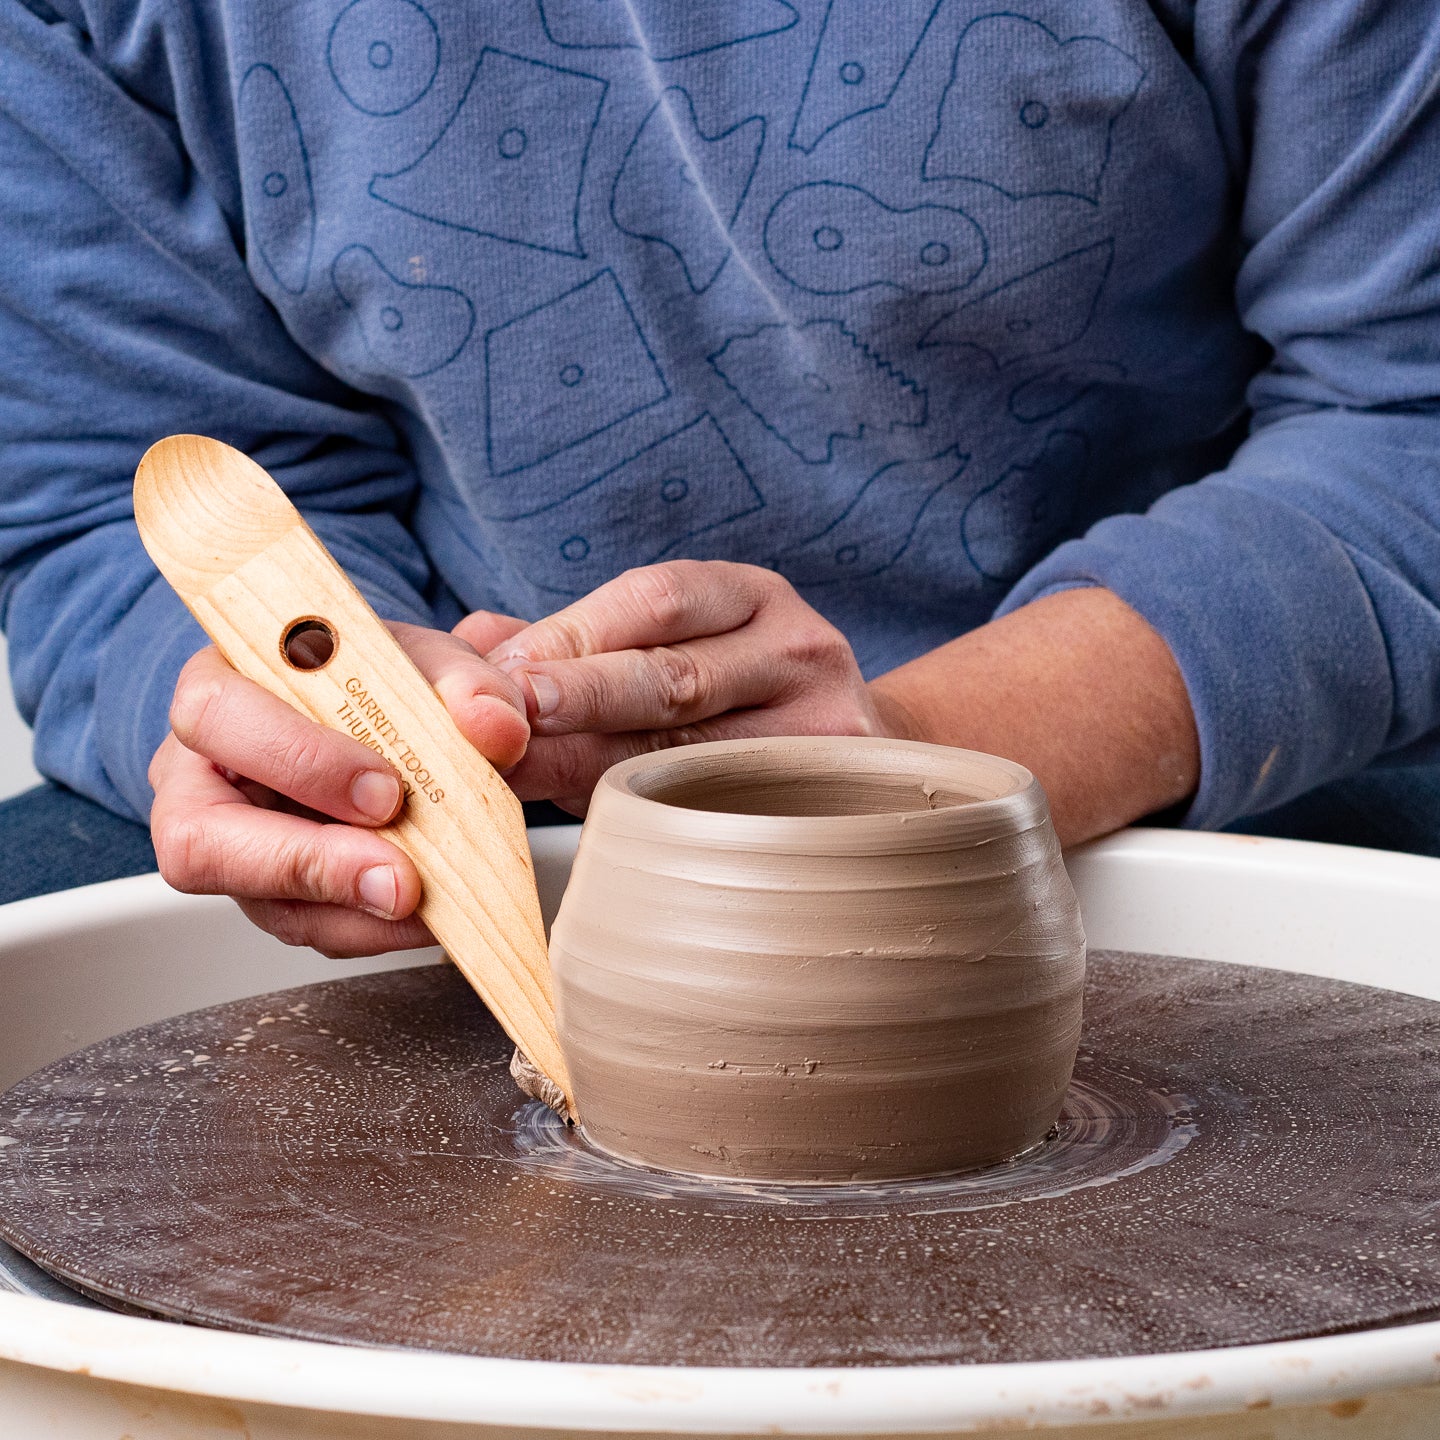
x: 1077, y: 687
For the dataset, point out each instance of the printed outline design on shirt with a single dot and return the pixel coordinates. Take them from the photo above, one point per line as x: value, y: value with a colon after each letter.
x: 447, y: 350
x: 792, y: 199
x: 859, y: 353
x: 372, y: 53
x: 632, y: 41
x: 968, y: 147
x: 995, y: 300
x: 1075, y: 388
x: 704, y: 434
x: 789, y: 561
x: 259, y: 220
x: 711, y: 217
x: 1024, y: 544
x: 519, y: 139
x: 517, y: 413
x: 845, y: 71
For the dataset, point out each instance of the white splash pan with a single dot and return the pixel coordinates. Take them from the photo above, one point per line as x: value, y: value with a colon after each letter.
x: 77, y: 967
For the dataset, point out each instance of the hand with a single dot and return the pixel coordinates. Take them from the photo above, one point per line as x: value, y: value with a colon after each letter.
x: 246, y: 788
x: 1077, y: 686
x: 667, y: 655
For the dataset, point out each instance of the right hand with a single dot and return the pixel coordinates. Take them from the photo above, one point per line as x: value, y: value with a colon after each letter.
x: 247, y: 790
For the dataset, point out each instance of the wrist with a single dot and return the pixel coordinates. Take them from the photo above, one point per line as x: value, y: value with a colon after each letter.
x: 1079, y: 688
x: 895, y: 720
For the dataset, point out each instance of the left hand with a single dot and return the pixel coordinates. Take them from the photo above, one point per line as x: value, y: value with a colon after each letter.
x: 666, y: 655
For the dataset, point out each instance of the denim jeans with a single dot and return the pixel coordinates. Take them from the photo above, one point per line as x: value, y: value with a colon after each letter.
x: 52, y: 839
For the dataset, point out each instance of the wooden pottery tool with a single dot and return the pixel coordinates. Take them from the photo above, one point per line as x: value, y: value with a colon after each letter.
x: 284, y: 614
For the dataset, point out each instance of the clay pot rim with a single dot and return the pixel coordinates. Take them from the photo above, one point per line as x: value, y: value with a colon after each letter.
x: 1019, y: 803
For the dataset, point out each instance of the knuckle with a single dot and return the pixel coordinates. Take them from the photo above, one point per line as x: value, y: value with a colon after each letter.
x: 661, y: 591
x: 302, y: 871
x: 184, y: 853
x: 769, y: 582
x: 820, y: 645
x: 304, y: 926
x: 196, y: 706
x: 680, y: 735
x: 159, y: 766
x: 288, y: 922
x: 571, y: 633
x: 568, y: 769
x: 762, y: 586
x: 678, y: 679
x: 569, y: 772
x: 842, y: 720
x: 301, y: 753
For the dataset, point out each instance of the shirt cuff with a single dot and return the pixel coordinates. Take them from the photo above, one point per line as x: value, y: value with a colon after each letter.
x: 1270, y: 624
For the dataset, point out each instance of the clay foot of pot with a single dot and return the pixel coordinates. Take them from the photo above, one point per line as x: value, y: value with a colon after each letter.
x: 539, y: 1086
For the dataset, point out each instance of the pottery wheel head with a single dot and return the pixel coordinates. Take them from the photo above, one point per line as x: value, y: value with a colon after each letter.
x: 1244, y: 1156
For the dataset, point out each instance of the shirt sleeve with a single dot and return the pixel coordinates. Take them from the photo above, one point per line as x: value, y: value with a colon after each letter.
x: 1299, y: 589
x: 127, y: 313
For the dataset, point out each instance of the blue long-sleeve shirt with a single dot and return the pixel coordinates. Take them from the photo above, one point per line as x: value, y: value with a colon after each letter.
x: 933, y: 307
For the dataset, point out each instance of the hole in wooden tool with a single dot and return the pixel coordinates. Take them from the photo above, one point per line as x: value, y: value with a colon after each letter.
x: 309, y: 644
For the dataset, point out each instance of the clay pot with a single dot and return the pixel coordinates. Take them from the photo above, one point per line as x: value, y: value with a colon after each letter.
x: 813, y: 958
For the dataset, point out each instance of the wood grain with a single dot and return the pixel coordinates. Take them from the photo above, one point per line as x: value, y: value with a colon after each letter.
x: 248, y: 567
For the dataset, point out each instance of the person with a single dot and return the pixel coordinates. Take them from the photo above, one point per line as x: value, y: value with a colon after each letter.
x: 1059, y: 383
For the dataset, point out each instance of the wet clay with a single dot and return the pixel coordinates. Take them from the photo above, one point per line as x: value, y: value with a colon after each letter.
x: 535, y: 1083
x: 818, y: 959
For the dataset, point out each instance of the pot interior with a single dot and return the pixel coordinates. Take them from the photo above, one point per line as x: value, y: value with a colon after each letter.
x: 819, y: 779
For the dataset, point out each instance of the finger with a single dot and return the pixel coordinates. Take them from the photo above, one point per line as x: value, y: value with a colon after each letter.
x: 564, y: 768
x: 333, y: 930
x: 235, y: 723
x: 653, y: 689
x: 656, y: 605
x: 483, y: 630
x: 486, y: 704
x: 209, y: 840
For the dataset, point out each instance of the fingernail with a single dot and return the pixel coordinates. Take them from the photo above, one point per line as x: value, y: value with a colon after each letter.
x: 509, y: 662
x: 545, y: 691
x: 375, y: 793
x: 378, y: 891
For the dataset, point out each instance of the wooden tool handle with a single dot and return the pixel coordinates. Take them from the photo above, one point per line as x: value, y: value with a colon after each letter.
x: 255, y: 575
